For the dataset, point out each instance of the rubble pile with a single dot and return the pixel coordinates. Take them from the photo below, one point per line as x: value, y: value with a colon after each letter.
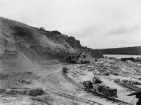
x: 22, y: 91
x: 117, y: 67
x: 44, y: 99
x: 105, y: 72
x: 105, y: 67
x: 128, y: 81
x: 17, y: 78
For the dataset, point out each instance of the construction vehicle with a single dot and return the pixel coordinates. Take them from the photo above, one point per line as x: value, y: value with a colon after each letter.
x: 100, y: 89
x: 73, y: 57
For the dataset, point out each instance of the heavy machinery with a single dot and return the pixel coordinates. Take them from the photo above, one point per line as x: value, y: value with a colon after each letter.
x: 73, y: 57
x: 100, y: 89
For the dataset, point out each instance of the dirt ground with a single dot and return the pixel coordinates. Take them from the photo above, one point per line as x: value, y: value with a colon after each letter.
x: 58, y: 90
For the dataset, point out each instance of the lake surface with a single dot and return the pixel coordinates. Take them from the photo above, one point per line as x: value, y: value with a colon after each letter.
x: 121, y: 56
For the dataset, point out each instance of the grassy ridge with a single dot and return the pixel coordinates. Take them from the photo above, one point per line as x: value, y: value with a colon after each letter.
x: 124, y: 50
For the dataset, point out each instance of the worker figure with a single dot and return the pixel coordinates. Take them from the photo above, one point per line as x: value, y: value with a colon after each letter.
x: 138, y: 96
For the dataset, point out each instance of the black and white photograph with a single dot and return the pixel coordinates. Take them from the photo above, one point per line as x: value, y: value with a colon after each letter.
x: 70, y: 52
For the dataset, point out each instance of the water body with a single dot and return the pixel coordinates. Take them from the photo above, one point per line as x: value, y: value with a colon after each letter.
x: 121, y: 56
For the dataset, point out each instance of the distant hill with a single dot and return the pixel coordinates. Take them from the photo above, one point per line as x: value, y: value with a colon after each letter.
x: 124, y: 50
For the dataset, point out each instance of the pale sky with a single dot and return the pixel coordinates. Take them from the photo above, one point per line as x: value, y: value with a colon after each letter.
x: 96, y: 23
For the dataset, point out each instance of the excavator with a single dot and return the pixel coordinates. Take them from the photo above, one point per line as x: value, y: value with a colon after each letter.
x: 73, y: 57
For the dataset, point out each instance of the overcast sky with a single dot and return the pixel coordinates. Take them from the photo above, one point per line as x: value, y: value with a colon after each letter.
x: 96, y: 23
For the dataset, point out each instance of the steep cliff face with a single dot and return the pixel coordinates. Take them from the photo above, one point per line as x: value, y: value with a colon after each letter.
x: 34, y: 44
